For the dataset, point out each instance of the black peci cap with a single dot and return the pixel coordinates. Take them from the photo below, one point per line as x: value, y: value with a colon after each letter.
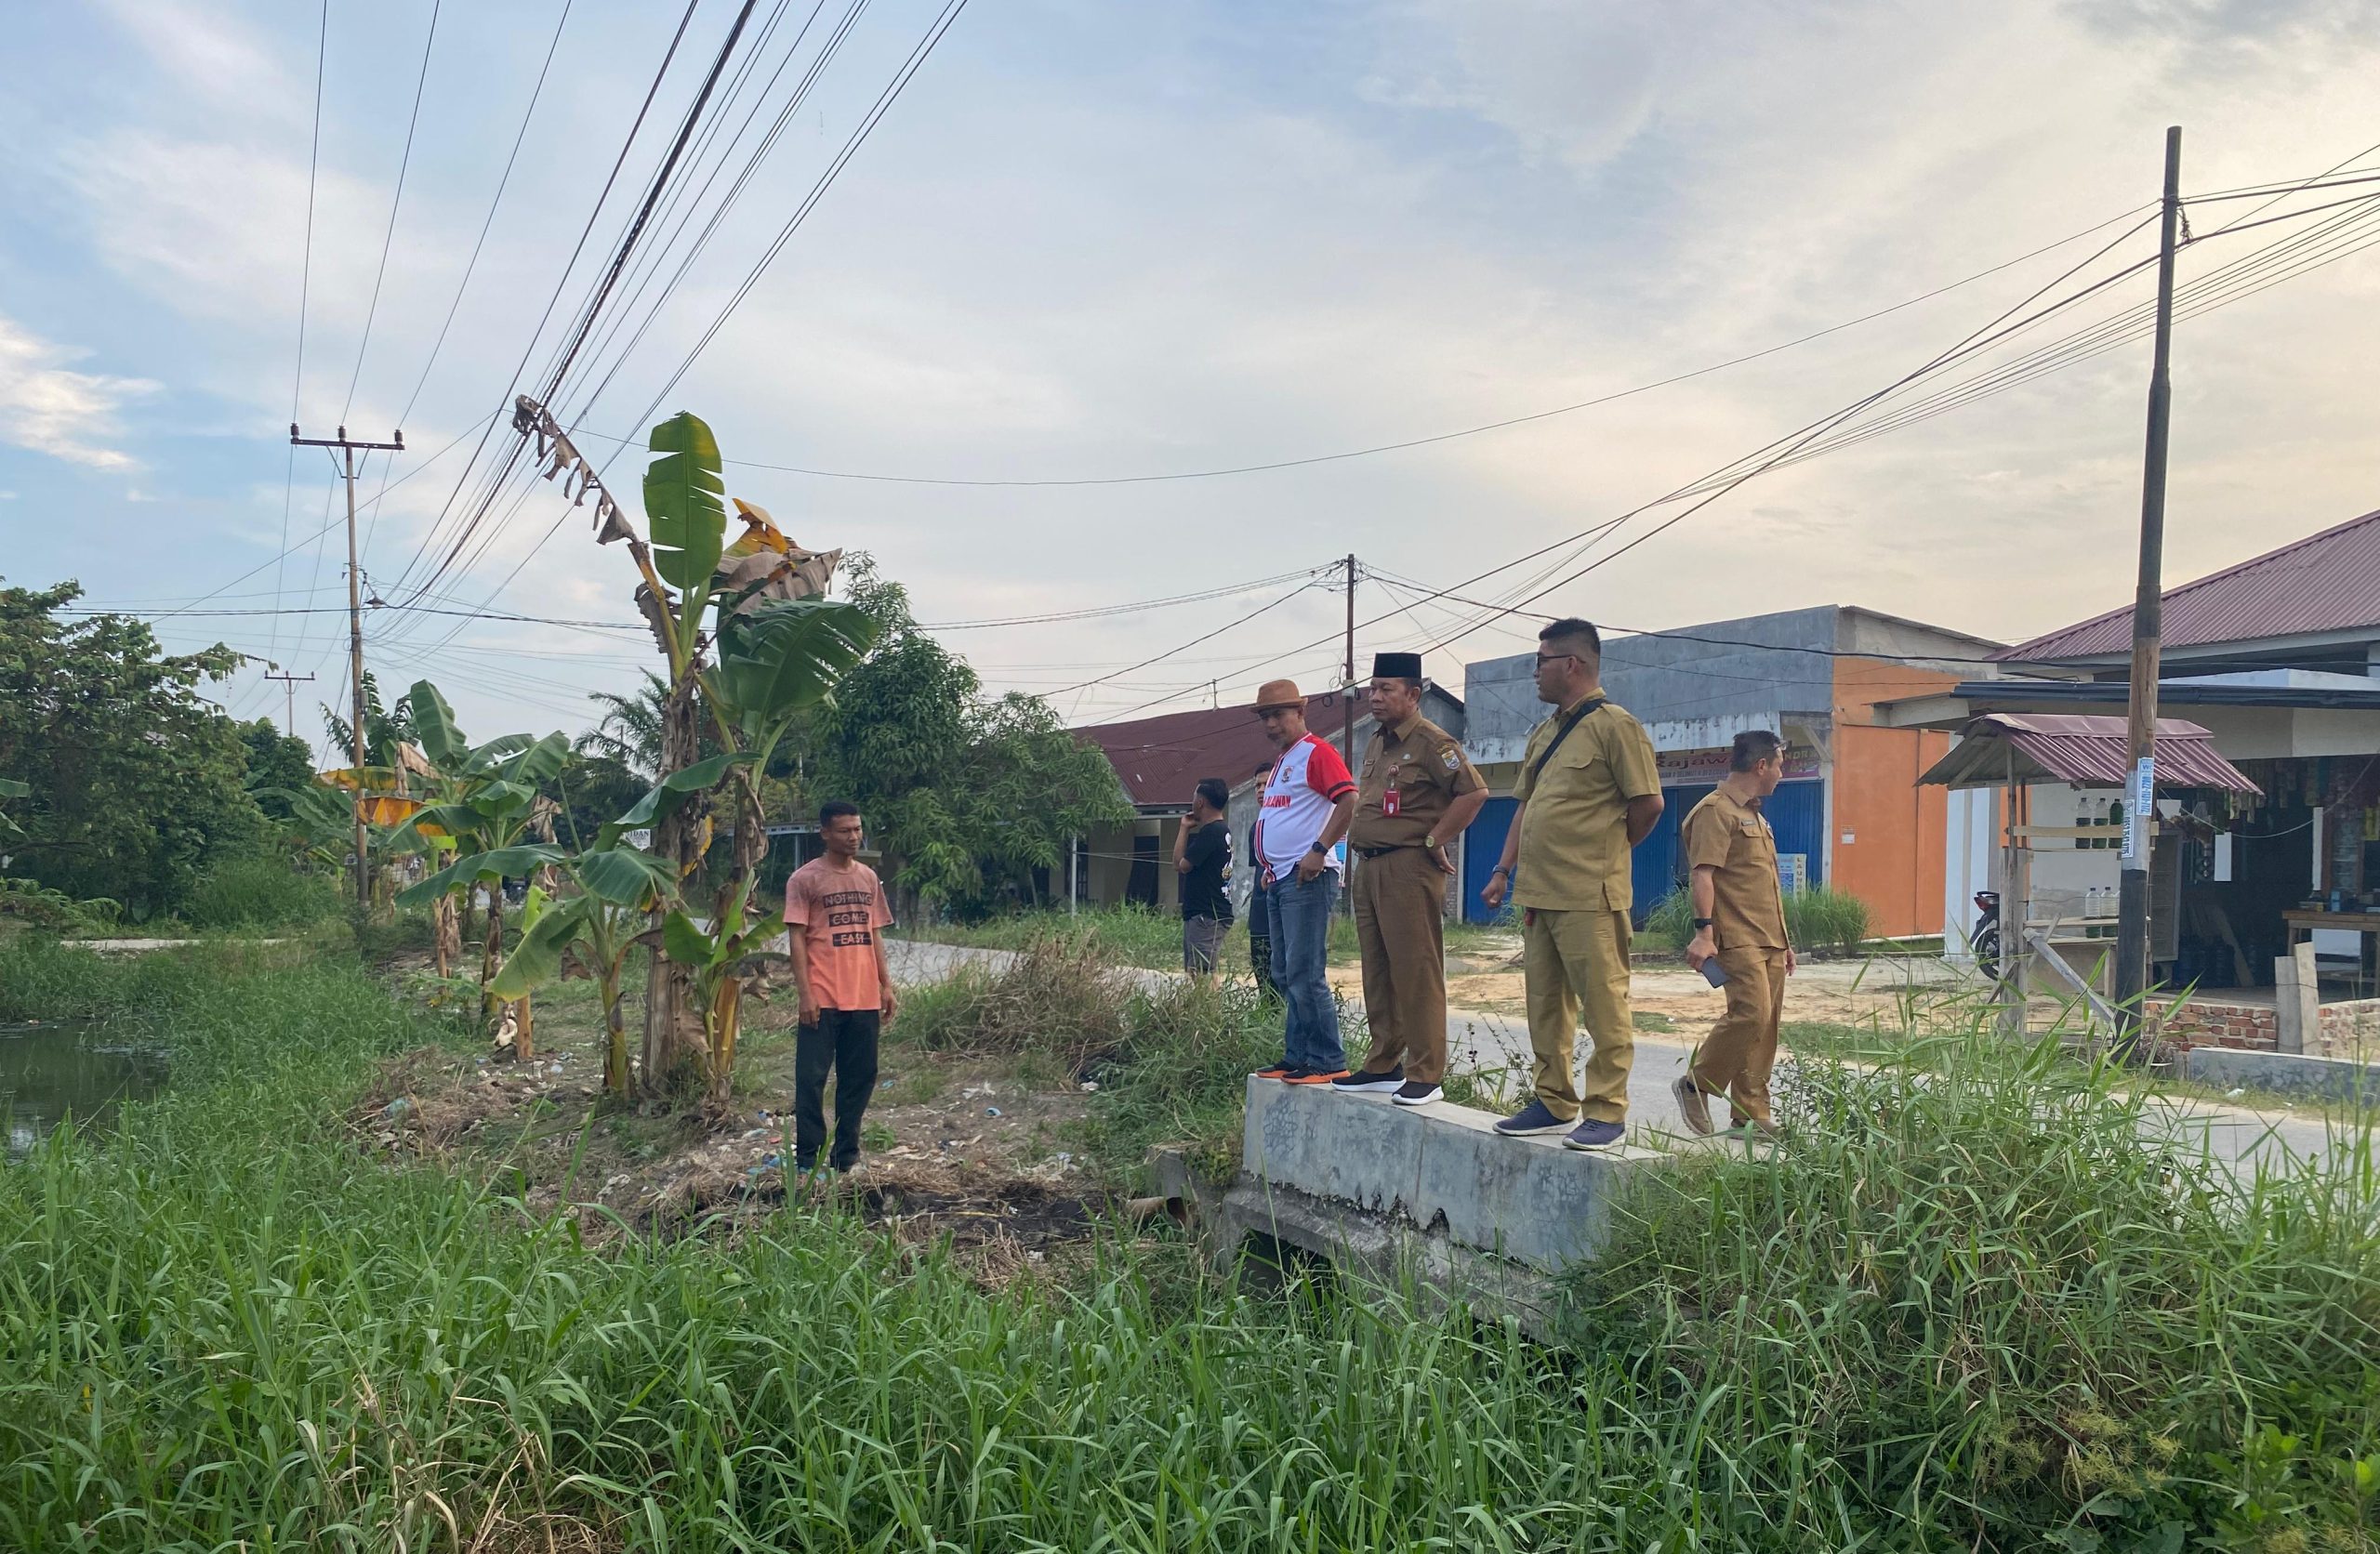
x: 1397, y: 665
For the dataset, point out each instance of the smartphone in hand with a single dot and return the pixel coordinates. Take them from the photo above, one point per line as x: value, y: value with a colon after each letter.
x: 1714, y: 973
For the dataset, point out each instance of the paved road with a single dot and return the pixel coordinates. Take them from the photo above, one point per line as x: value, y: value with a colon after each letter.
x: 2244, y: 1140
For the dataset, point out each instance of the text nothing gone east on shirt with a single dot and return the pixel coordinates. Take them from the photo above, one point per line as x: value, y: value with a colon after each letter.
x: 1308, y: 782
x: 839, y: 914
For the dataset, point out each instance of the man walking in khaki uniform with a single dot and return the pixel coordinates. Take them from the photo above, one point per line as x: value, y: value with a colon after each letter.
x: 1739, y: 921
x: 1589, y: 792
x: 1414, y: 797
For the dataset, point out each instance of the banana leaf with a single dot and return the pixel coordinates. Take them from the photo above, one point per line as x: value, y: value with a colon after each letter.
x: 683, y: 502
x: 788, y: 654
x: 505, y: 862
x: 536, y: 956
x: 433, y: 726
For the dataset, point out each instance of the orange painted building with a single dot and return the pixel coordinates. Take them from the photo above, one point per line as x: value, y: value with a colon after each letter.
x: 1888, y: 832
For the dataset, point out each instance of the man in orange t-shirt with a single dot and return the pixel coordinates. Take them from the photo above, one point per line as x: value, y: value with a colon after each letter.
x: 835, y: 914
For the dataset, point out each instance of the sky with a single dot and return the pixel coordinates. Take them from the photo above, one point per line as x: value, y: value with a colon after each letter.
x: 1092, y: 243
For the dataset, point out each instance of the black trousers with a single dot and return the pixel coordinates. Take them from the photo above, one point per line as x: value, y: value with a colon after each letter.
x: 845, y: 1041
x: 1260, y: 943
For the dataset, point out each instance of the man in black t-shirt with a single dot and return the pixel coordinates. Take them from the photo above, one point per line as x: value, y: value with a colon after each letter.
x: 1202, y: 857
x: 1260, y: 925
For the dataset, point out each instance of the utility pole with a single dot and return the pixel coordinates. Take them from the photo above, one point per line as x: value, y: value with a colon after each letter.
x: 2147, y: 628
x: 349, y: 449
x: 1347, y: 677
x: 289, y: 688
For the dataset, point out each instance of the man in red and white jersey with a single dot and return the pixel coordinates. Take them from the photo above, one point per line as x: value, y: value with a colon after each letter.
x: 1309, y: 800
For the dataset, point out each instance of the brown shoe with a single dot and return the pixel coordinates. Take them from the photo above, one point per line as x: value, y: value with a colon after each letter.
x: 1692, y: 1104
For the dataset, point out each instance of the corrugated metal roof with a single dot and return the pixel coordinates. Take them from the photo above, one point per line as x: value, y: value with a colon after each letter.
x: 1160, y: 759
x: 2327, y: 582
x: 2063, y: 747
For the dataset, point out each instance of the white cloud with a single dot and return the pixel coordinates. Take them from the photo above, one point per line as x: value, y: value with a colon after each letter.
x: 47, y: 407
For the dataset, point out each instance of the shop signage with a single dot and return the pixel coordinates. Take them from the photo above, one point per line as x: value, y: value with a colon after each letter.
x: 1681, y: 768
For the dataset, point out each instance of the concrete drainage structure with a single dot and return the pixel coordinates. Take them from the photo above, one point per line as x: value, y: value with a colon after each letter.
x: 1433, y: 1193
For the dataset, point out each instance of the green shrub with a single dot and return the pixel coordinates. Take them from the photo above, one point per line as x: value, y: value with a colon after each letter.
x: 1060, y: 998
x: 1817, y: 919
x: 1825, y: 921
x: 259, y: 890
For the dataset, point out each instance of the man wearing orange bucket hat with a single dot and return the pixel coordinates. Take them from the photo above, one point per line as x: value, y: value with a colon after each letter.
x: 1308, y: 802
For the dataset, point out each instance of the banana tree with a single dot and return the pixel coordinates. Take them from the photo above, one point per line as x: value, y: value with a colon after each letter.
x: 487, y: 800
x: 613, y: 889
x: 697, y: 590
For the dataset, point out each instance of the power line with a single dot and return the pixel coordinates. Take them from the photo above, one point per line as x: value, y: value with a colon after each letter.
x: 559, y: 284
x: 859, y: 135
x: 471, y: 264
x: 892, y: 94
x: 305, y: 277
x: 1095, y: 612
x: 1437, y: 436
x: 396, y: 203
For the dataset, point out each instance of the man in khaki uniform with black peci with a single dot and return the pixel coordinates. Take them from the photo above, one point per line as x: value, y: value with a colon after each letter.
x: 1739, y: 922
x: 1589, y: 792
x: 1414, y: 797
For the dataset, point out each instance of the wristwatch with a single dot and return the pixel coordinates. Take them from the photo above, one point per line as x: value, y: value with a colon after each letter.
x: 1430, y: 842
x: 1319, y: 851
x: 1702, y: 922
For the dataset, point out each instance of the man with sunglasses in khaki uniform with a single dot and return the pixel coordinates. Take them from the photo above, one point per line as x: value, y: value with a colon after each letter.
x: 1589, y: 792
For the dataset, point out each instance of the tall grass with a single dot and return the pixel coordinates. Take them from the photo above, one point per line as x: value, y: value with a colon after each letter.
x: 259, y: 891
x: 1984, y: 1295
x: 1817, y: 919
x: 1130, y: 934
x: 1958, y: 1313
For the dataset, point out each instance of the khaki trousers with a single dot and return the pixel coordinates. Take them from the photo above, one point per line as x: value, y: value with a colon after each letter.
x: 1574, y: 960
x: 1400, y: 927
x: 1736, y: 1057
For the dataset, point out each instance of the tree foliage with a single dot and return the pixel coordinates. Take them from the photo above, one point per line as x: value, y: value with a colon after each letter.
x: 967, y: 793
x: 276, y: 764
x: 133, y: 781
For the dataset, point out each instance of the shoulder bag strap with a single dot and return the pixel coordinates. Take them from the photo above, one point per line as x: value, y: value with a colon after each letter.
x: 1537, y: 767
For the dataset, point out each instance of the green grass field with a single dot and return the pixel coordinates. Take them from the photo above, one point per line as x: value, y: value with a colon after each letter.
x: 1966, y: 1310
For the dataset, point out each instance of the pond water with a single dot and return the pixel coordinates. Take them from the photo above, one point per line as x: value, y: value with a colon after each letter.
x: 50, y: 1070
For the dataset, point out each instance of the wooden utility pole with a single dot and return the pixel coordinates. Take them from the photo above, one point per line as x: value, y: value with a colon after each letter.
x: 289, y: 689
x: 1347, y: 677
x: 354, y: 633
x: 2148, y: 627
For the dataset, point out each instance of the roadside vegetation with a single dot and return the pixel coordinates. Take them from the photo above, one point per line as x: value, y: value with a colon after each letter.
x: 1136, y: 935
x: 1820, y: 920
x: 1966, y: 1310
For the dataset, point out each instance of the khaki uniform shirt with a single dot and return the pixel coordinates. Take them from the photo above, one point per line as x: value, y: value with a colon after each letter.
x: 1574, y: 853
x: 1734, y: 840
x: 1412, y: 774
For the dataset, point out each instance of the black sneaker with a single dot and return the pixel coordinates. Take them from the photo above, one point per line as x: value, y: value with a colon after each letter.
x: 1280, y: 1070
x: 1531, y: 1120
x: 1366, y: 1081
x: 1416, y: 1092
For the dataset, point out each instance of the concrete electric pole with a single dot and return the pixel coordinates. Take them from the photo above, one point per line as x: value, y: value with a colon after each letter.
x: 348, y: 449
x: 289, y: 684
x: 2148, y: 628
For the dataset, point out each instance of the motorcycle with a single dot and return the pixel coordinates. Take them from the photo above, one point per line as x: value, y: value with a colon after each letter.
x: 1987, y: 932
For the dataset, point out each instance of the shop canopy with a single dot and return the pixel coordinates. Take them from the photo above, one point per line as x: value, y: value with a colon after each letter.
x: 2001, y: 747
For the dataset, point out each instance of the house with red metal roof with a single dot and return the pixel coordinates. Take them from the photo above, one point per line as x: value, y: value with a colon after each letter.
x: 1159, y: 760
x: 2276, y: 661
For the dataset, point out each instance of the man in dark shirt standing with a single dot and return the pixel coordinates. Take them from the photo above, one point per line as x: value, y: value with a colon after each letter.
x: 1202, y: 857
x: 1260, y: 919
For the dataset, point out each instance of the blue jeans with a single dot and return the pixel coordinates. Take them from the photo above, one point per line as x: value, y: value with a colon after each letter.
x: 1301, y: 925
